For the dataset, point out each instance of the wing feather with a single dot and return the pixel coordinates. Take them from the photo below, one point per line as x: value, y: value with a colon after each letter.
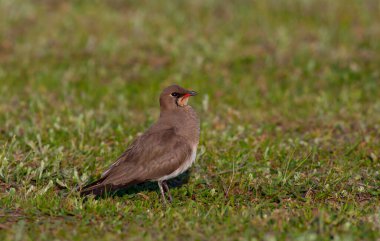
x: 151, y: 156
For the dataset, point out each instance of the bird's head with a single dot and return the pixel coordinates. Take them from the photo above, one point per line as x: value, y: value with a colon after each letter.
x: 175, y: 96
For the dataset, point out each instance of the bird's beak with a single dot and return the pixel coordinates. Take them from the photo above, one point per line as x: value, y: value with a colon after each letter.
x: 192, y: 93
x: 189, y: 93
x: 183, y: 100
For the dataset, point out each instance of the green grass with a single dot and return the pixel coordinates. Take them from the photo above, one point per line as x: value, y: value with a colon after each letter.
x: 289, y: 105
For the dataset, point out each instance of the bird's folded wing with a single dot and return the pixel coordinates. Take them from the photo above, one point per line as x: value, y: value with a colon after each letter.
x: 151, y: 156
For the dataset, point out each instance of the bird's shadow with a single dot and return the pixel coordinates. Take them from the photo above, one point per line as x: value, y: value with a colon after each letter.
x: 150, y: 186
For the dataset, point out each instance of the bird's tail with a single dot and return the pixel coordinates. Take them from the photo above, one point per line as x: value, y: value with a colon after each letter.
x: 97, y: 188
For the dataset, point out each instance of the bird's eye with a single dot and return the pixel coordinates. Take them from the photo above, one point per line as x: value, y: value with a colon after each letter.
x: 175, y: 94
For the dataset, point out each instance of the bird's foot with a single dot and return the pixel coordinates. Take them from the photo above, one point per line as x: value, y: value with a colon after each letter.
x: 160, y: 185
x: 166, y: 189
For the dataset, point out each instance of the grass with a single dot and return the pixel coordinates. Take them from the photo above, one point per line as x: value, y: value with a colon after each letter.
x: 289, y: 104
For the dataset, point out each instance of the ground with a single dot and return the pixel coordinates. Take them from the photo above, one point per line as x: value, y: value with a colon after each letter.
x: 289, y: 107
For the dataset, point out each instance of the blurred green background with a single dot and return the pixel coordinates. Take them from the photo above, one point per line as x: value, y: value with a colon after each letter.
x: 288, y: 98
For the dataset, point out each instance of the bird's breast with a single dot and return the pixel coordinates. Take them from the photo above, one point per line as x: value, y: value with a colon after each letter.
x: 186, y: 123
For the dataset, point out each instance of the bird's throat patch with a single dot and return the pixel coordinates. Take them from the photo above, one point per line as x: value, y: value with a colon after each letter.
x: 183, y: 100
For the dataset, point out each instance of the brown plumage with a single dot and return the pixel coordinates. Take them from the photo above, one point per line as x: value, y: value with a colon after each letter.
x: 165, y: 150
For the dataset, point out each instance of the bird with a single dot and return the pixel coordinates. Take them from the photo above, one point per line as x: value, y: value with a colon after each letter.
x: 167, y: 149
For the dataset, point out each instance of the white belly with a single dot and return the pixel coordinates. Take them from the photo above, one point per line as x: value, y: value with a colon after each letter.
x: 183, y: 167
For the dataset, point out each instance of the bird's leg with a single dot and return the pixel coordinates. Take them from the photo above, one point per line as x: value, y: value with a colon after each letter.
x: 162, y: 191
x: 166, y: 189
